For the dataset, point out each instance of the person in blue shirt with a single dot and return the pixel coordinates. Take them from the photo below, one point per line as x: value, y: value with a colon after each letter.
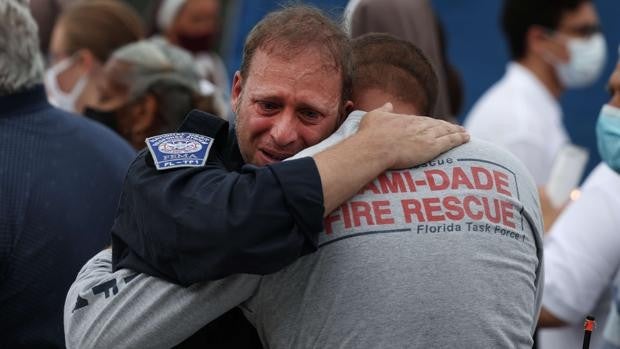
x: 60, y: 181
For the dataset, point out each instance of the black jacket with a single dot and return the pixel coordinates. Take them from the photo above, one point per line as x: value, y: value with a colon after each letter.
x: 192, y: 224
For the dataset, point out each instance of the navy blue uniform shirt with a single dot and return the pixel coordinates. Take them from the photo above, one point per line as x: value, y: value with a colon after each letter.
x: 195, y: 224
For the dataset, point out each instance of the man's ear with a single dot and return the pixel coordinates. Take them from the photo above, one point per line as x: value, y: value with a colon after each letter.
x: 536, y: 40
x: 541, y: 42
x: 348, y: 108
x: 236, y: 90
x: 87, y: 60
x: 144, y: 114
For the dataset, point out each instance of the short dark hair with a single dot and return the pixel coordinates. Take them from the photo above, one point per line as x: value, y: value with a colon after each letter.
x: 294, y: 28
x: 518, y: 16
x: 395, y: 66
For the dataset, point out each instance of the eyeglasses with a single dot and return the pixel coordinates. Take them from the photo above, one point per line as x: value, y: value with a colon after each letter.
x: 584, y: 30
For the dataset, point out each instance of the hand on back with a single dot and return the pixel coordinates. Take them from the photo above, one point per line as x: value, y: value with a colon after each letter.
x: 410, y: 140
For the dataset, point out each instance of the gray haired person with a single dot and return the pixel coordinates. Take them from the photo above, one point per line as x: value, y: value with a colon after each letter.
x: 148, y: 87
x: 21, y: 66
x: 49, y: 223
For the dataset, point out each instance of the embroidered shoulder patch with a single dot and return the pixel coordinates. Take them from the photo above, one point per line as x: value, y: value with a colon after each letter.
x: 172, y: 150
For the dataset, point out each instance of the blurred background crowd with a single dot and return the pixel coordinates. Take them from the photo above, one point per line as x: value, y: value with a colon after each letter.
x: 139, y: 66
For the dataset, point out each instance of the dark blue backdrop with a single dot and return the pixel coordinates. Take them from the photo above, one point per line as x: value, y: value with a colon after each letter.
x: 476, y: 47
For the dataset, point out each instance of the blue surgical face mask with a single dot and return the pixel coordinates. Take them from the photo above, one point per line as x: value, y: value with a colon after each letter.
x: 608, y: 136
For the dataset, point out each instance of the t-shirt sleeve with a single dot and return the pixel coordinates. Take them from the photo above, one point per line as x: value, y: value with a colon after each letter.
x: 196, y: 224
x: 126, y: 309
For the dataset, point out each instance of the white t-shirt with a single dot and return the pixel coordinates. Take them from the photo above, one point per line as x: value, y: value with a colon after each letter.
x: 519, y: 113
x: 582, y: 255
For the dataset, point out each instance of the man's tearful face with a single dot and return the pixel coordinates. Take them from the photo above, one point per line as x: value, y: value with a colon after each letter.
x: 285, y: 105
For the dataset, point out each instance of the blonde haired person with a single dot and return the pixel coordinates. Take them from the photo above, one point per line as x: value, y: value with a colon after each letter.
x: 77, y: 55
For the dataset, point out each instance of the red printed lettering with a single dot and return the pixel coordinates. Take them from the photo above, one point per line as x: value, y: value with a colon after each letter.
x: 347, y: 216
x: 328, y: 221
x: 409, y: 180
x: 431, y: 207
x: 361, y: 209
x: 482, y: 178
x: 454, y: 210
x: 412, y: 207
x: 487, y: 210
x: 501, y: 183
x: 507, y: 213
x: 393, y: 185
x: 459, y: 178
x: 437, y: 179
x: 467, y: 206
x: 382, y: 212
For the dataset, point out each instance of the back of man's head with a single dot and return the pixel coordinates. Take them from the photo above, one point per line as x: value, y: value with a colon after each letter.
x: 518, y: 16
x: 291, y: 30
x: 21, y: 66
x: 395, y: 67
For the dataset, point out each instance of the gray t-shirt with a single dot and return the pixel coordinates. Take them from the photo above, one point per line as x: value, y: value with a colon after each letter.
x: 444, y: 255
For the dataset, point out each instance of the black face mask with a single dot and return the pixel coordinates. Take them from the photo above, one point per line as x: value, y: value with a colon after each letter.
x: 107, y: 118
x: 197, y: 43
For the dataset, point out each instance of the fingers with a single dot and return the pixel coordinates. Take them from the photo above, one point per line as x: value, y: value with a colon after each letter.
x: 436, y: 127
x: 451, y: 140
x: 429, y: 138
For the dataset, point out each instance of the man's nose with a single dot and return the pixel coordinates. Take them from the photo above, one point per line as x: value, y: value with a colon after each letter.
x: 284, y: 129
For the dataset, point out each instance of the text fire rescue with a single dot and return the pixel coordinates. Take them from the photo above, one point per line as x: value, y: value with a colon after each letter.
x: 426, y: 208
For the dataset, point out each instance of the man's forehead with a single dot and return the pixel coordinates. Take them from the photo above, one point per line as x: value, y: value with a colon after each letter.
x: 289, y: 54
x: 305, y: 79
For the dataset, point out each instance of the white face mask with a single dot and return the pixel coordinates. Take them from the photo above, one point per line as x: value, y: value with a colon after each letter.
x: 586, y: 62
x: 58, y: 97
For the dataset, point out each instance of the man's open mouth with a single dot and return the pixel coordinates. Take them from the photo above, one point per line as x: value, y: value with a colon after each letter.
x: 274, y: 155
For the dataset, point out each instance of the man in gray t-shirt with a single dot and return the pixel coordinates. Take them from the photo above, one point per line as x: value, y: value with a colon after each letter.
x: 447, y: 254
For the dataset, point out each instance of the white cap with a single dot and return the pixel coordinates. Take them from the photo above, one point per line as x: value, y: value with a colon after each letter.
x: 168, y: 11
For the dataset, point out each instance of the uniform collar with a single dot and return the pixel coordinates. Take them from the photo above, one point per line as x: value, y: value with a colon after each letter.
x: 233, y: 153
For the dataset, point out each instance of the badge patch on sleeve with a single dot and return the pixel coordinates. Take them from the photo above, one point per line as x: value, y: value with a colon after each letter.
x: 172, y: 150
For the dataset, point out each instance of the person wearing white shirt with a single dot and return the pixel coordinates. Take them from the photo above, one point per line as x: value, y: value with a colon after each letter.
x: 581, y: 252
x: 554, y: 46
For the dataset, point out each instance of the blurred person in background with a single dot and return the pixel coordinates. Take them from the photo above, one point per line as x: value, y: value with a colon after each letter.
x: 147, y: 88
x: 195, y: 26
x: 84, y: 37
x: 582, y: 250
x: 608, y: 137
x: 416, y: 22
x: 554, y: 45
x: 45, y: 13
x: 60, y: 182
